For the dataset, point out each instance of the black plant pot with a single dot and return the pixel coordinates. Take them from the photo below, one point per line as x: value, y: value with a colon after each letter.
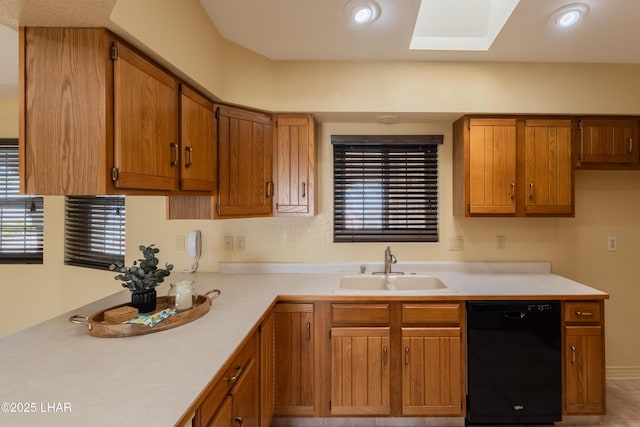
x: 145, y: 302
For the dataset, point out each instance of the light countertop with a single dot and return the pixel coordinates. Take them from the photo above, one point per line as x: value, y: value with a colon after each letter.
x: 64, y: 377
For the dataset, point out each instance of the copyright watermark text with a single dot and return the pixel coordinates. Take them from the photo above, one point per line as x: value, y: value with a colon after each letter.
x: 34, y: 407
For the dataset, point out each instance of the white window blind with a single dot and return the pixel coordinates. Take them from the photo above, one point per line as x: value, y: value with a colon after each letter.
x: 385, y: 188
x: 21, y: 217
x: 94, y: 231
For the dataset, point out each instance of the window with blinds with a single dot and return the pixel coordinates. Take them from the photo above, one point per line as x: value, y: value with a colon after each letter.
x: 385, y: 188
x: 94, y: 231
x: 21, y: 217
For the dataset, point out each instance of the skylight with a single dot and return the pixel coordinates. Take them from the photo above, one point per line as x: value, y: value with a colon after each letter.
x: 460, y: 24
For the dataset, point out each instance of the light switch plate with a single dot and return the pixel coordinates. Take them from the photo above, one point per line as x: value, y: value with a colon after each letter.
x: 456, y: 243
x: 612, y: 244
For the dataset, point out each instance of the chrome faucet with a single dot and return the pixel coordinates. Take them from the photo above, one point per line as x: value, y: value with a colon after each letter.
x: 389, y: 259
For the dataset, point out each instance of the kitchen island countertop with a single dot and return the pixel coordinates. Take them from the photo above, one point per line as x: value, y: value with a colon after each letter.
x: 55, y: 374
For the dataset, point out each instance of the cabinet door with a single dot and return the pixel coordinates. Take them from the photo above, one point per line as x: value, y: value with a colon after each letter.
x: 267, y: 378
x: 245, y: 403
x: 245, y: 163
x: 584, y: 367
x: 608, y: 141
x: 431, y: 371
x: 492, y: 166
x: 197, y: 142
x: 294, y: 367
x: 360, y: 371
x: 146, y: 151
x: 295, y: 162
x: 548, y: 167
x: 223, y: 416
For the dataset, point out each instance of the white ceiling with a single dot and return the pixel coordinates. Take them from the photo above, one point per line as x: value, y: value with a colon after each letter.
x: 321, y: 30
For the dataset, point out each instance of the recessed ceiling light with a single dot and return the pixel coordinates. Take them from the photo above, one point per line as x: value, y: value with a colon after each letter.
x: 387, y: 119
x: 362, y: 11
x: 569, y: 15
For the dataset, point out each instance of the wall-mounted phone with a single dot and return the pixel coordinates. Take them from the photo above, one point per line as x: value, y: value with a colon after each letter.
x: 194, y: 248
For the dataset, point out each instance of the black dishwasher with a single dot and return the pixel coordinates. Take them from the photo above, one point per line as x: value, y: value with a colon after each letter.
x: 514, y: 362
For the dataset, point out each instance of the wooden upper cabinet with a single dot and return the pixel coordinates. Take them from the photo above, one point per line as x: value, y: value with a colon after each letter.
x: 95, y: 116
x: 197, y: 142
x: 65, y: 98
x: 294, y: 140
x: 608, y: 142
x: 492, y: 166
x: 146, y: 145
x: 513, y: 166
x: 548, y: 167
x: 484, y: 179
x: 245, y: 163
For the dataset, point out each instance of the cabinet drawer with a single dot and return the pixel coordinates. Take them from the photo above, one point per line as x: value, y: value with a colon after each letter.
x: 583, y: 312
x: 431, y: 314
x: 374, y: 314
x: 219, y: 391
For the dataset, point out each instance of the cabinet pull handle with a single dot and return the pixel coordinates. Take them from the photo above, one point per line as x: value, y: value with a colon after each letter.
x: 584, y: 313
x: 406, y: 355
x: 234, y: 378
x: 385, y: 354
x: 573, y: 354
x: 269, y: 189
x: 174, y: 153
x: 189, y: 152
x: 629, y: 145
x: 308, y: 331
x: 531, y: 192
x: 239, y: 420
x: 304, y: 189
x: 513, y: 191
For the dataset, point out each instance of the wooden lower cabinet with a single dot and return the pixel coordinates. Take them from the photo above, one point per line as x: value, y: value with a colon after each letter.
x: 233, y: 399
x: 360, y: 371
x: 294, y: 360
x: 432, y: 371
x: 584, y: 363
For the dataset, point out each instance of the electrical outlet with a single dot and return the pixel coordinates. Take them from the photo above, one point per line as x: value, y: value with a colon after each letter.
x: 228, y: 243
x: 501, y: 242
x: 612, y: 244
x: 238, y: 244
x: 456, y: 243
x: 179, y: 243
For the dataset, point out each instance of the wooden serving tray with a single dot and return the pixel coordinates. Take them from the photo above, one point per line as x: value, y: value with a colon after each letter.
x: 98, y: 327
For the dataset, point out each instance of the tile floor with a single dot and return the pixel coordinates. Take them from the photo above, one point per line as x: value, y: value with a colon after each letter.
x: 623, y: 410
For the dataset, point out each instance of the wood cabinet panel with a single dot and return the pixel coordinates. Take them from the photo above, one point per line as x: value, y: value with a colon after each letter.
x: 432, y: 371
x: 548, y: 167
x: 294, y: 359
x: 197, y: 142
x: 372, y: 314
x: 492, y: 166
x: 245, y: 401
x: 583, y: 312
x: 608, y: 141
x: 267, y: 369
x: 360, y: 371
x: 145, y: 123
x: 295, y: 165
x: 584, y: 367
x: 245, y: 163
x: 432, y: 314
x: 65, y: 129
x: 223, y: 416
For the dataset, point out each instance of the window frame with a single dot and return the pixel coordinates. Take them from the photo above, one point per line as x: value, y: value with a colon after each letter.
x: 93, y: 238
x: 406, y: 167
x: 29, y: 248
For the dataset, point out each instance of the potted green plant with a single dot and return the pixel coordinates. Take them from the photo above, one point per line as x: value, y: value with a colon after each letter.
x: 142, y: 278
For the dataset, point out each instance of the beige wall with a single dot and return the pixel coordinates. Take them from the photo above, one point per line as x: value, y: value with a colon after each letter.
x: 606, y: 201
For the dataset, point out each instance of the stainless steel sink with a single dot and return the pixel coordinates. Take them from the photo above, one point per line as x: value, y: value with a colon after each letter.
x: 390, y: 284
